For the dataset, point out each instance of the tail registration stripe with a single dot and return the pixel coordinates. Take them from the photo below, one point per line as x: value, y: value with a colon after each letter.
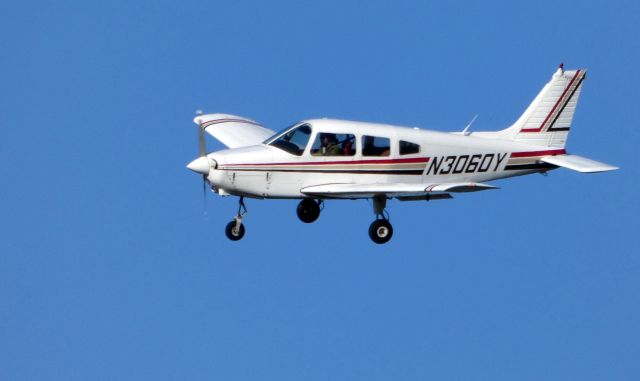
x: 563, y: 99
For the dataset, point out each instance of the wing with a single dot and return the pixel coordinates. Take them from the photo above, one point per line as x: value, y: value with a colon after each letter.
x: 578, y: 163
x: 400, y: 191
x: 233, y: 131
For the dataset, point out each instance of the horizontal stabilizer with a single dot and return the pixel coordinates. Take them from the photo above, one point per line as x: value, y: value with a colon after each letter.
x: 578, y: 163
x: 406, y: 191
x: 233, y: 131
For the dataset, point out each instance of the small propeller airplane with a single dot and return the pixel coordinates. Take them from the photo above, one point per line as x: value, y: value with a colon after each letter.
x: 325, y: 159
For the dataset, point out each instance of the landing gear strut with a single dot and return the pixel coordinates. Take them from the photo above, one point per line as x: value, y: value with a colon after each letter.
x: 235, y: 228
x: 380, y: 230
x: 308, y: 210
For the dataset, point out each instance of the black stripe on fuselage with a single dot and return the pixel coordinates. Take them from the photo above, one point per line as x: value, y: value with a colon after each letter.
x: 530, y: 166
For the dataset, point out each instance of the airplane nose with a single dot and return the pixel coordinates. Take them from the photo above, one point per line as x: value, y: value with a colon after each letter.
x: 200, y: 165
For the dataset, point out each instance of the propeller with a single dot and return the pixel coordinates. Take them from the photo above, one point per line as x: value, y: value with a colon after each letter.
x: 201, y: 165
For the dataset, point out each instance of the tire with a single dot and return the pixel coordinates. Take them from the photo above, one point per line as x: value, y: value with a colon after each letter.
x: 231, y: 232
x: 308, y: 210
x: 380, y: 231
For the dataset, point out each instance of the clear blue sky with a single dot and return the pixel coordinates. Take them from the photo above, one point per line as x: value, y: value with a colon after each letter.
x: 109, y: 271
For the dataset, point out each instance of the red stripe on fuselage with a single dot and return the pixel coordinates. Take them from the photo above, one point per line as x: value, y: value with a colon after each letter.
x: 354, y: 162
x: 539, y: 153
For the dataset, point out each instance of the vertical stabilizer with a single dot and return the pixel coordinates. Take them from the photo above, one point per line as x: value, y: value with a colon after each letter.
x: 547, y: 120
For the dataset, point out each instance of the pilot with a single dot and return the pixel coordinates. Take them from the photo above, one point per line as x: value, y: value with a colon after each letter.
x: 330, y: 145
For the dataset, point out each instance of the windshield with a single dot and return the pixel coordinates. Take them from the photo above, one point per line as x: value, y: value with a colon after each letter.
x: 293, y: 140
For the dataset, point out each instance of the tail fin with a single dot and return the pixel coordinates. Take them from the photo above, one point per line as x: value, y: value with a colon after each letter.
x: 547, y: 120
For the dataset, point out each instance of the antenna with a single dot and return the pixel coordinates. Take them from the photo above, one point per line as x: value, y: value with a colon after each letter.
x: 466, y: 132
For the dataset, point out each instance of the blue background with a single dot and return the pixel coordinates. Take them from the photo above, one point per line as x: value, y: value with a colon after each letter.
x: 109, y: 270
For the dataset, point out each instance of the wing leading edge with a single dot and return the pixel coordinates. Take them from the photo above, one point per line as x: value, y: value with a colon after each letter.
x: 233, y: 131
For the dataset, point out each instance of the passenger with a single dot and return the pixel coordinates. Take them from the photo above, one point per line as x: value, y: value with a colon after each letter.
x: 347, y: 148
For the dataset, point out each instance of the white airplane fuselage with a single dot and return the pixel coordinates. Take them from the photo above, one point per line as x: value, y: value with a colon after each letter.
x: 264, y: 171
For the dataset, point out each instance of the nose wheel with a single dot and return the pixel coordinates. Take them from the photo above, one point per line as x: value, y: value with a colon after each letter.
x: 380, y: 230
x: 235, y: 229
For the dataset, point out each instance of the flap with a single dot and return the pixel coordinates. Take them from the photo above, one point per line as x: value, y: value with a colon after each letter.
x: 459, y: 187
x: 233, y: 131
x: 578, y: 163
x: 390, y: 190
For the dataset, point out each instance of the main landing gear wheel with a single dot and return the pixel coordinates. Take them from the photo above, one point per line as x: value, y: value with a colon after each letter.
x: 308, y: 210
x: 233, y: 232
x: 380, y: 231
x: 235, y: 229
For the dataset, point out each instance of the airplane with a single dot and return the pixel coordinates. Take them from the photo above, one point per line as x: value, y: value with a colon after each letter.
x: 327, y: 159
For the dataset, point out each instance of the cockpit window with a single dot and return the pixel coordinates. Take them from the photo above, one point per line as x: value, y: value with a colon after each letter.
x: 293, y: 140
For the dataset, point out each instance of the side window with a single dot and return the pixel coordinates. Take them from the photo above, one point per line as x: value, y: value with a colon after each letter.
x: 408, y: 148
x: 375, y: 146
x: 327, y: 144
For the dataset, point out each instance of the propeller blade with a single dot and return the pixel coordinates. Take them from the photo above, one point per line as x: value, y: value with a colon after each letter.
x: 204, y: 196
x: 202, y: 144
